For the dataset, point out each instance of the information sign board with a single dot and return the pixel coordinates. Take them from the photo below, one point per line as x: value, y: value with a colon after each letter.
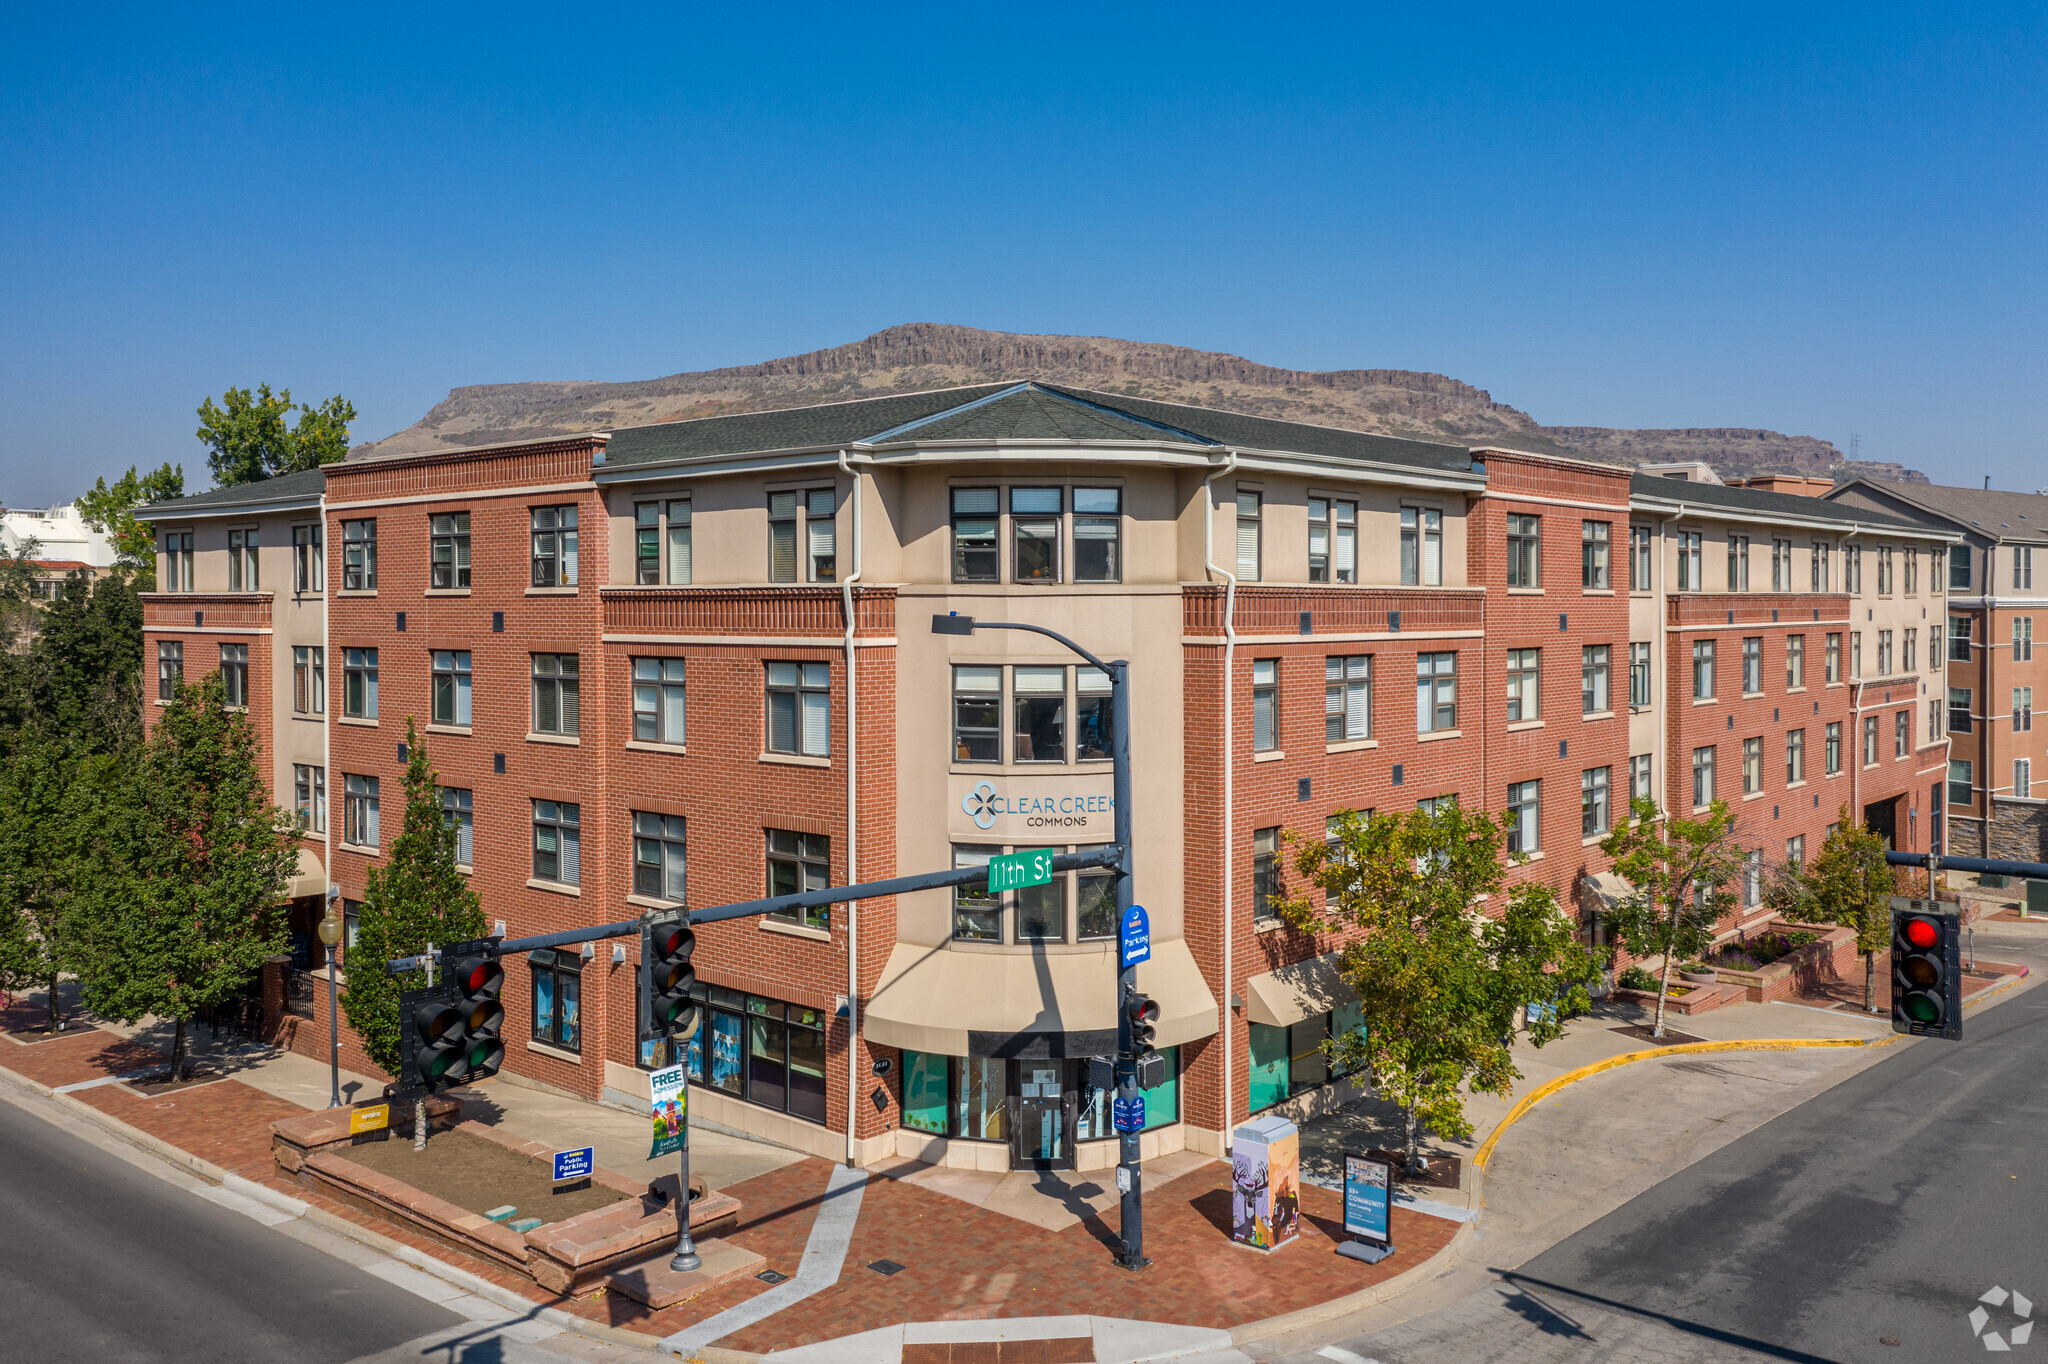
x: 576, y: 1164
x: 371, y: 1119
x: 1134, y: 943
x: 1128, y: 1115
x: 1367, y: 1183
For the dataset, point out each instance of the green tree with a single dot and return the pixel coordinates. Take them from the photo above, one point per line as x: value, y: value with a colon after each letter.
x: 1681, y: 871
x: 1849, y: 885
x: 83, y: 674
x: 197, y: 860
x: 110, y: 510
x: 1440, y: 984
x: 248, y: 440
x: 416, y: 898
x: 38, y: 861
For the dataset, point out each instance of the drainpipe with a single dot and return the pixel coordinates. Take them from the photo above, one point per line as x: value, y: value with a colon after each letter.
x: 326, y: 718
x: 846, y: 583
x: 1663, y: 663
x: 1209, y: 565
x: 1856, y: 705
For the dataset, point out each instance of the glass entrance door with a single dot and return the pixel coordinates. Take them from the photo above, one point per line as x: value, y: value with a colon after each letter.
x: 1042, y: 1138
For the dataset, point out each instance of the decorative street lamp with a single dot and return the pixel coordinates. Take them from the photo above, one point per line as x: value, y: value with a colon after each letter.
x: 330, y: 938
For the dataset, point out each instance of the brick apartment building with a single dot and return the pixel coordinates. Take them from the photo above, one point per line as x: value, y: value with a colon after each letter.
x: 691, y: 663
x: 1995, y: 807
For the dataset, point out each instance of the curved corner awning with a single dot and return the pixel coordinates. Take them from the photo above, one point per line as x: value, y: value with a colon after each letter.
x: 1293, y: 993
x: 311, y: 877
x: 932, y: 999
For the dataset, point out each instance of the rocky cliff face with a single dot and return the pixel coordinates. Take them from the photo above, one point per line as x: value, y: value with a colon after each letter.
x: 932, y: 355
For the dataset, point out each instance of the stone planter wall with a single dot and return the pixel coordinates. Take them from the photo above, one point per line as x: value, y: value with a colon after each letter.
x: 1830, y: 960
x: 1697, y: 1000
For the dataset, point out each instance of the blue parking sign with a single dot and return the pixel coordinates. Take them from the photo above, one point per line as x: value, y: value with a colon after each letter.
x: 1134, y: 944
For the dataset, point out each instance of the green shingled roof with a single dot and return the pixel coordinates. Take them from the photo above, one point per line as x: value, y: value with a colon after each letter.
x: 1722, y: 497
x: 1025, y: 411
x: 305, y: 485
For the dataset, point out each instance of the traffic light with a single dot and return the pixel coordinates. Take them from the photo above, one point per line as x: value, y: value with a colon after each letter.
x: 434, y: 1055
x: 1143, y: 1013
x: 479, y: 980
x: 667, y: 978
x: 1927, y: 969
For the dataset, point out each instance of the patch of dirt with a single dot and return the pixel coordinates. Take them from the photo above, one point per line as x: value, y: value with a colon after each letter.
x: 1671, y: 1038
x: 29, y: 1036
x: 479, y: 1176
x: 156, y: 1087
x: 1442, y: 1172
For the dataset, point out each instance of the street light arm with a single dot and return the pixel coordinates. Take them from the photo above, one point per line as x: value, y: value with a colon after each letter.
x: 973, y: 625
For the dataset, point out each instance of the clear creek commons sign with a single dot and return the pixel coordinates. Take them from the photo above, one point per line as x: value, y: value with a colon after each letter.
x: 1055, y: 809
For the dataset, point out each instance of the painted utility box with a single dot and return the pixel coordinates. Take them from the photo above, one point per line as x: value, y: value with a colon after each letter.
x: 1265, y: 1176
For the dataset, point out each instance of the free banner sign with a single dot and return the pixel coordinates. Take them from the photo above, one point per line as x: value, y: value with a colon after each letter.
x: 576, y: 1164
x: 372, y: 1119
x: 1134, y: 943
x: 1367, y: 1183
x: 670, y: 1094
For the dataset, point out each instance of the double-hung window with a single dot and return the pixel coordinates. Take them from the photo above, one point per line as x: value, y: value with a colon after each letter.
x: 1795, y: 756
x: 554, y: 546
x: 2023, y: 778
x: 1525, y: 550
x: 242, y: 576
x: 1833, y: 670
x: 1641, y: 782
x: 1752, y: 766
x: 976, y: 554
x: 1094, y: 718
x: 1098, y: 535
x: 2022, y: 639
x: 1035, y: 534
x: 1884, y: 653
x: 816, y: 560
x: 458, y: 812
x: 1752, y: 664
x: 557, y: 998
x: 800, y: 709
x: 2022, y: 567
x: 170, y: 667
x: 1959, y: 629
x: 680, y: 565
x: 1639, y: 563
x: 782, y: 532
x: 1795, y: 662
x: 1823, y: 572
x: 646, y: 543
x: 309, y: 797
x: 1909, y: 652
x: 1902, y: 733
x: 451, y: 686
x: 821, y: 536
x: 1436, y: 692
x: 1869, y: 740
x: 557, y: 691
x: 234, y: 673
x: 1594, y: 698
x: 1959, y: 575
x: 1690, y: 569
x: 1347, y: 698
x: 658, y: 700
x: 1594, y: 802
x: 1265, y: 704
x: 1039, y: 708
x: 448, y: 551
x: 1702, y: 777
x: 1935, y: 716
x: 1639, y: 674
x: 659, y: 526
x: 1834, y: 747
x: 1332, y: 540
x: 359, y: 810
x: 2022, y: 709
x: 359, y: 556
x: 1250, y: 511
x: 1525, y: 814
x: 1911, y: 558
x: 309, y: 679
x: 1265, y: 875
x: 178, y: 562
x: 1525, y: 685
x: 309, y: 559
x: 1703, y: 670
x: 977, y: 911
x: 1855, y: 654
x: 1781, y: 565
x: 1961, y: 780
x: 1959, y: 720
x: 977, y: 714
x: 659, y: 856
x: 1738, y: 563
x: 1422, y: 547
x: 799, y: 862
x: 1593, y: 552
x: 359, y: 683
x: 1852, y: 570
x: 557, y: 842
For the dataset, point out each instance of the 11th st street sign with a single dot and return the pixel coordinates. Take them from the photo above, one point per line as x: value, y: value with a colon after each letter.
x: 1015, y: 871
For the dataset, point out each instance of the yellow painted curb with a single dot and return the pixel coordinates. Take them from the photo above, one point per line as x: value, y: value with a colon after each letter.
x: 1544, y: 1091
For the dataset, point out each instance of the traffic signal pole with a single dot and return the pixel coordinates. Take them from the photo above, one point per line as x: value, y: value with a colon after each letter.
x: 1129, y: 1177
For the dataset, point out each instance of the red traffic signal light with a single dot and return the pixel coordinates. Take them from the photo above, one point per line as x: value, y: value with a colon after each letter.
x: 1927, y: 975
x: 479, y: 980
x: 667, y: 980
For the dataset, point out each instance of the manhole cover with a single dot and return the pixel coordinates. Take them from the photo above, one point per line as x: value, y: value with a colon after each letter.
x: 885, y: 1267
x: 771, y: 1276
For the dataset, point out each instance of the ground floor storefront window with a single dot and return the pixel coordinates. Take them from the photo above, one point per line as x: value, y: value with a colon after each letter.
x: 969, y: 1096
x: 761, y: 1050
x: 1286, y: 1061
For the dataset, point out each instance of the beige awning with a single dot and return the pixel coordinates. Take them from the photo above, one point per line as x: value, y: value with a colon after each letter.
x: 1293, y: 993
x: 1604, y: 890
x: 311, y: 877
x: 967, y: 1003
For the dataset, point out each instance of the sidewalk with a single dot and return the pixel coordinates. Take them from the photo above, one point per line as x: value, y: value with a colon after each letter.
x: 988, y: 1247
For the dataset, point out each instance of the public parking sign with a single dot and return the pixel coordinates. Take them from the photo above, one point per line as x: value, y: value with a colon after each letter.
x: 1017, y: 870
x: 1134, y: 944
x: 576, y: 1164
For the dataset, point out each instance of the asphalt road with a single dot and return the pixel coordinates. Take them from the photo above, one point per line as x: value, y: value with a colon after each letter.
x: 103, y: 1262
x: 1877, y: 1212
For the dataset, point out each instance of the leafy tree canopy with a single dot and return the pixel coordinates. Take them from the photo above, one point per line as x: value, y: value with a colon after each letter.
x: 109, y: 508
x: 248, y: 440
x: 1683, y: 872
x: 1441, y: 984
x: 417, y: 897
x: 1848, y: 885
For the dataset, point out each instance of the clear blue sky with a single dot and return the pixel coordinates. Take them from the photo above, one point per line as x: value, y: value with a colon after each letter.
x: 1819, y: 221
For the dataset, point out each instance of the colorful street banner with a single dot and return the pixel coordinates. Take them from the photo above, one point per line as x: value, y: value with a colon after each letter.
x: 671, y: 1094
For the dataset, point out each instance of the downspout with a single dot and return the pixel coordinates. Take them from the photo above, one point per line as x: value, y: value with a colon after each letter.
x: 326, y: 717
x: 846, y: 583
x: 1856, y: 707
x: 1209, y: 565
x: 1663, y: 596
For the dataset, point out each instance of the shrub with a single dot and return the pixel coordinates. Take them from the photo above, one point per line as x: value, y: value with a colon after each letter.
x: 1636, y: 978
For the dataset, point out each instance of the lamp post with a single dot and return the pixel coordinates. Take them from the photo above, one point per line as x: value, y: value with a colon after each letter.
x: 1131, y: 1251
x: 330, y: 938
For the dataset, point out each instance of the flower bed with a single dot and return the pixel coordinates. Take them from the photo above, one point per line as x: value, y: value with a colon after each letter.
x: 1793, y: 967
x: 1683, y: 999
